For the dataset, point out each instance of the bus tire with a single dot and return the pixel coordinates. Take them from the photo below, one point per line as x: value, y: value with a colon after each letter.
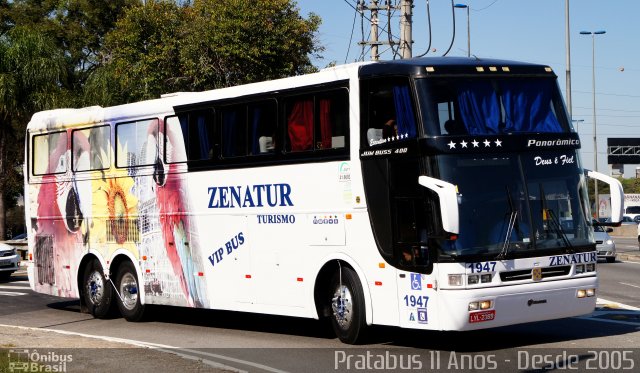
x: 347, y: 307
x: 129, y: 290
x: 96, y: 290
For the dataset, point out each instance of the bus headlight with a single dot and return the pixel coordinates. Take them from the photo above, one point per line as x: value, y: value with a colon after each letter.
x: 480, y: 305
x: 582, y: 293
x: 591, y: 267
x: 455, y: 280
x: 472, y: 279
x: 579, y: 269
x: 485, y: 278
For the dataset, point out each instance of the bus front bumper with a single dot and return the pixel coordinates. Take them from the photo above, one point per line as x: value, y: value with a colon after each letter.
x: 517, y: 304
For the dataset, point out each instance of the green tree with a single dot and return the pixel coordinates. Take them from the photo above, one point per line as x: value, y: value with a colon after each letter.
x: 140, y: 56
x: 78, y: 28
x: 163, y: 47
x: 31, y: 71
x: 233, y: 42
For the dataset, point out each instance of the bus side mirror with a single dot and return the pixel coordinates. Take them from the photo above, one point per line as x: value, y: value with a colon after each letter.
x: 448, y: 197
x: 617, y: 195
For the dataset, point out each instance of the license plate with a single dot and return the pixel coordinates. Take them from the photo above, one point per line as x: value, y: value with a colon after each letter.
x: 482, y: 316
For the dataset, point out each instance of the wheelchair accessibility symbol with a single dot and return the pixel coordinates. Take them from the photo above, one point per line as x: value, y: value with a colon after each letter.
x: 416, y: 283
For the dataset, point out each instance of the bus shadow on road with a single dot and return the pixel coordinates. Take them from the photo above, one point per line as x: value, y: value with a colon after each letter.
x: 239, y: 321
x: 538, y: 334
x: 552, y: 333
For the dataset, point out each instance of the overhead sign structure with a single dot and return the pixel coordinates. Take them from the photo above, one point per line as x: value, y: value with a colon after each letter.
x: 623, y: 150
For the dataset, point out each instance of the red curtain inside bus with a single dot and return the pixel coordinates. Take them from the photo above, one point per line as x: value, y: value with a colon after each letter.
x: 300, y: 125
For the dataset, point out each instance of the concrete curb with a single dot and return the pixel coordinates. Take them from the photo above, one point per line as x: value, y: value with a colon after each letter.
x: 629, y: 257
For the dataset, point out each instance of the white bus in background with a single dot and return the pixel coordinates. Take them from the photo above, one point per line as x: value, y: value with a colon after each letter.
x: 435, y: 193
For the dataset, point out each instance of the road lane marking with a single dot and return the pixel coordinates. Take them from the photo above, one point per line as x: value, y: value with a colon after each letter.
x: 12, y: 293
x: 15, y: 287
x: 624, y: 283
x: 164, y: 348
x: 604, y: 302
x: 607, y: 307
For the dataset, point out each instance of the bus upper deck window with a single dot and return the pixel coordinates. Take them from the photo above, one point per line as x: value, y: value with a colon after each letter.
x: 391, y: 113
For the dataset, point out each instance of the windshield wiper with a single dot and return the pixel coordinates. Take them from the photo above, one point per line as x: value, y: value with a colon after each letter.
x: 557, y: 227
x: 513, y: 218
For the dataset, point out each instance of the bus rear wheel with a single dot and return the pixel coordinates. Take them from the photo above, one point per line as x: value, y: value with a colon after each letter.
x: 129, y: 290
x: 347, y: 306
x: 97, y: 292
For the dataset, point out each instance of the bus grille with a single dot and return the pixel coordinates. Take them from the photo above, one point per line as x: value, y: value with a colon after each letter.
x: 44, y: 260
x: 525, y: 274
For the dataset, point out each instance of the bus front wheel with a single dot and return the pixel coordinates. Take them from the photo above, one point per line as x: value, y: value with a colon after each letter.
x: 97, y: 291
x: 129, y: 290
x: 347, y: 306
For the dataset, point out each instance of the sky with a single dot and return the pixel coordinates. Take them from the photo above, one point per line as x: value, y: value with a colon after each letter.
x: 530, y: 31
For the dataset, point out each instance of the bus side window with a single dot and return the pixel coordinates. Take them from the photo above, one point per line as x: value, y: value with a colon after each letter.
x: 176, y: 150
x: 91, y: 149
x: 190, y: 136
x: 233, y: 120
x: 300, y: 124
x: 49, y: 153
x: 333, y: 119
x: 262, y: 127
x: 316, y: 122
x: 201, y: 137
x: 137, y: 143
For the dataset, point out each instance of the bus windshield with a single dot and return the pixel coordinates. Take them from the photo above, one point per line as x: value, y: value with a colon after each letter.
x: 491, y: 106
x: 517, y: 204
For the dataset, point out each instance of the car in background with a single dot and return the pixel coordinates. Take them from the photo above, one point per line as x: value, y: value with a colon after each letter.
x: 627, y: 219
x: 9, y: 260
x: 633, y: 212
x: 604, y: 243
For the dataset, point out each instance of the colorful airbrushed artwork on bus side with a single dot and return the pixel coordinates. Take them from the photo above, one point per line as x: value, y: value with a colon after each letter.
x: 85, y: 204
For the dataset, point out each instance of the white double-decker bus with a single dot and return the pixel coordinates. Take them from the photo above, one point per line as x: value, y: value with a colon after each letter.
x: 435, y: 193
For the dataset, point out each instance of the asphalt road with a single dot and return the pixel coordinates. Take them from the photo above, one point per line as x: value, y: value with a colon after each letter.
x: 261, y: 343
x: 620, y: 281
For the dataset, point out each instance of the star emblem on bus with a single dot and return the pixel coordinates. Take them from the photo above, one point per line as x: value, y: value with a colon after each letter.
x: 487, y: 143
x: 452, y: 145
x: 475, y: 143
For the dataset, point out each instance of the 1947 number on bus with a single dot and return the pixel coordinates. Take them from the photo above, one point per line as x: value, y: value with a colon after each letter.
x: 482, y: 267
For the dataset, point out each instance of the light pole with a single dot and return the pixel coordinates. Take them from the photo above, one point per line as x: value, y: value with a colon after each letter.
x: 593, y: 86
x: 577, y: 121
x: 568, y: 57
x: 464, y: 6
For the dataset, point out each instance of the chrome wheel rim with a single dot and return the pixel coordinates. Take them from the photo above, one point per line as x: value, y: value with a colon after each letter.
x: 342, y: 306
x: 129, y: 291
x: 95, y: 287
